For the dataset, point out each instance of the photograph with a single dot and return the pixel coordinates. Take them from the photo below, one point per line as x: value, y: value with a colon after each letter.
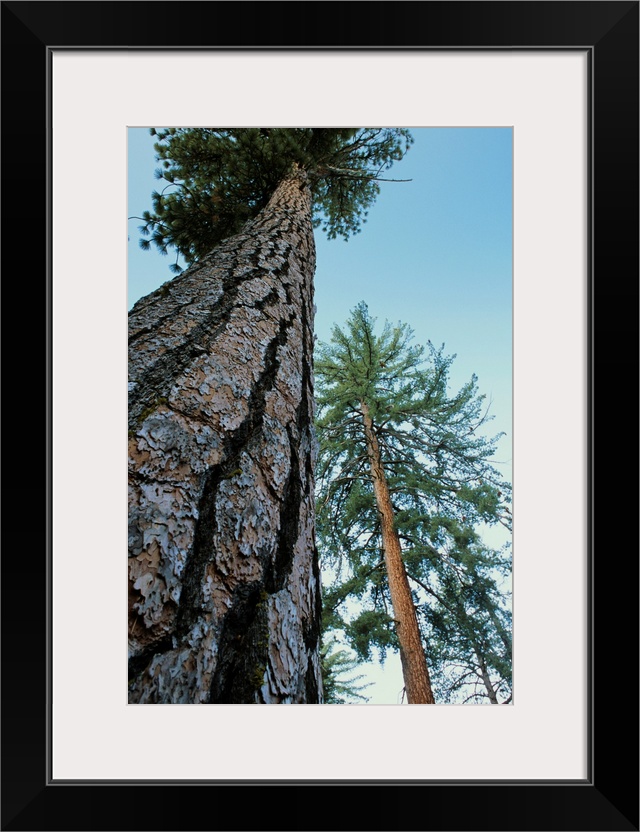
x: 319, y: 426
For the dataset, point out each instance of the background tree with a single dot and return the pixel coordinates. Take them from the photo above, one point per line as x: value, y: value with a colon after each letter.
x: 224, y: 601
x: 403, y: 460
x: 466, y: 622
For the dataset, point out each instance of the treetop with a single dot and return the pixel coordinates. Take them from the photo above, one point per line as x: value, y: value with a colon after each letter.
x: 214, y: 180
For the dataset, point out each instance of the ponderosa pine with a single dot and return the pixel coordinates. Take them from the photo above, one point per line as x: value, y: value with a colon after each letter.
x: 403, y: 477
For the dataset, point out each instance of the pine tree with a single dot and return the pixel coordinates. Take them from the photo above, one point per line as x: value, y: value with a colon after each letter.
x: 404, y: 478
x: 224, y: 584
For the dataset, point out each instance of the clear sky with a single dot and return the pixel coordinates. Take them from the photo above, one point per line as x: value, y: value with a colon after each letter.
x: 435, y: 253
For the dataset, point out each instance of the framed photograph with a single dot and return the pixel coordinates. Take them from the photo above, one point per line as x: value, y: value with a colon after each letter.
x: 563, y: 78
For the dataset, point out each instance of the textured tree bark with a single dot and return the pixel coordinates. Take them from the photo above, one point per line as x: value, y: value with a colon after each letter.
x: 224, y: 584
x: 414, y: 664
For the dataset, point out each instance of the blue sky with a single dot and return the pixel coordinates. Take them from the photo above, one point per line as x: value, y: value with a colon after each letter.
x: 435, y: 253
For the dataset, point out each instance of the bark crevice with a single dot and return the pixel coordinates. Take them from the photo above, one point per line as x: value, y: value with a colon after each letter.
x: 235, y: 444
x: 243, y: 649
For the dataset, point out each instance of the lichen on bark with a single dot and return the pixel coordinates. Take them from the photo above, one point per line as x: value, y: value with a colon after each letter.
x: 224, y: 585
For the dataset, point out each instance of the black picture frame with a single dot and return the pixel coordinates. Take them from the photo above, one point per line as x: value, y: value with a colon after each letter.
x: 608, y: 798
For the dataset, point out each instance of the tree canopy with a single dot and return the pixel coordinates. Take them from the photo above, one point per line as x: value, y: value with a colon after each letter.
x: 444, y: 490
x: 217, y: 179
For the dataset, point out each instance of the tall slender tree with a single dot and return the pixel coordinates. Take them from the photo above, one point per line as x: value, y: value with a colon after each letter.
x: 224, y: 584
x: 403, y: 475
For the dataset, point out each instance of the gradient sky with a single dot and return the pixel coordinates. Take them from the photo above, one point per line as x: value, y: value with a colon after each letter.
x: 435, y: 253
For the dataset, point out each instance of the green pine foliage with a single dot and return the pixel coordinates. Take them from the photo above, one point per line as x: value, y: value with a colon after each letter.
x: 445, y: 490
x: 339, y: 687
x: 466, y: 621
x: 214, y: 180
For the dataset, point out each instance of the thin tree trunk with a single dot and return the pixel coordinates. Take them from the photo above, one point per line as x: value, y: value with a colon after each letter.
x: 224, y: 584
x: 414, y: 664
x: 486, y: 679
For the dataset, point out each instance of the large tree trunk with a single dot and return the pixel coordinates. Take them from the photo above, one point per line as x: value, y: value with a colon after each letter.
x: 224, y: 585
x: 414, y: 665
